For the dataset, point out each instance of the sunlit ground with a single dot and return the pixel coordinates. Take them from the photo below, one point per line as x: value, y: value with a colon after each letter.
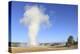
x: 40, y: 48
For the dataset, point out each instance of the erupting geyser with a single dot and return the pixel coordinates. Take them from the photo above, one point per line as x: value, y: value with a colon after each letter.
x: 34, y: 16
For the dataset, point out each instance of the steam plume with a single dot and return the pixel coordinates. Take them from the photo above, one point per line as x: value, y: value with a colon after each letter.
x: 34, y: 16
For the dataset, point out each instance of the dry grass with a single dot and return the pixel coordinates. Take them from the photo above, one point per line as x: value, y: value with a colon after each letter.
x: 36, y: 49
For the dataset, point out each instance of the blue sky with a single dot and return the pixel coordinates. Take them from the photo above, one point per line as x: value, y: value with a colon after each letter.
x: 64, y: 20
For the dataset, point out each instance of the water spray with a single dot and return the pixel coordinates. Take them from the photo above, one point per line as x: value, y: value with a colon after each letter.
x: 34, y: 16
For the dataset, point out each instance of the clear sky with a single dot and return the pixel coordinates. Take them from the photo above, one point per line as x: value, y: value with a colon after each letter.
x: 64, y: 20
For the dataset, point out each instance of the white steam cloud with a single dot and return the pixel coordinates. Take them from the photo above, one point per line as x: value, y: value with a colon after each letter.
x: 34, y: 16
